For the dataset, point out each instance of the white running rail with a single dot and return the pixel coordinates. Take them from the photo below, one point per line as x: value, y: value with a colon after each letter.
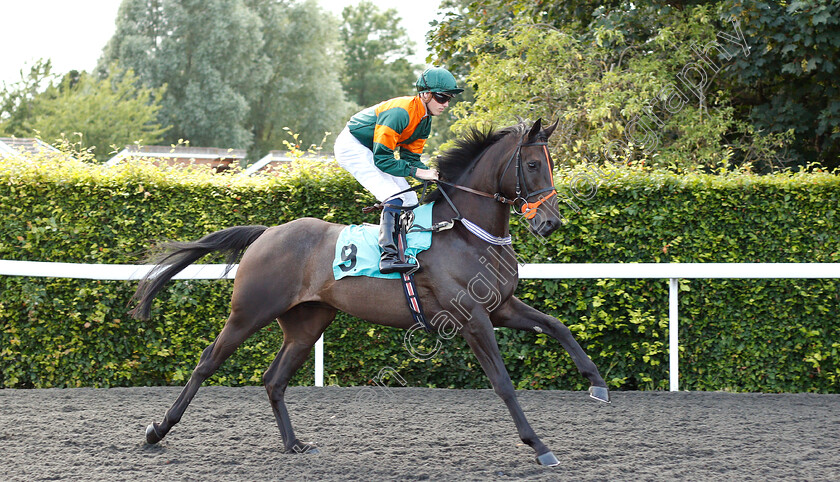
x: 670, y: 271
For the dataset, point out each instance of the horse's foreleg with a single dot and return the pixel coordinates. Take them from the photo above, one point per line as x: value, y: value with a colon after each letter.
x: 302, y: 326
x: 479, y: 335
x: 516, y: 314
x: 236, y: 331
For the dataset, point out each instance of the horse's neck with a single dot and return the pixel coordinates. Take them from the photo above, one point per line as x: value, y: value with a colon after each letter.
x: 487, y: 213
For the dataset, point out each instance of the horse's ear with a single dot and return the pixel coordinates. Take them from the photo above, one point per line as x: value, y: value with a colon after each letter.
x: 550, y: 129
x: 535, y: 130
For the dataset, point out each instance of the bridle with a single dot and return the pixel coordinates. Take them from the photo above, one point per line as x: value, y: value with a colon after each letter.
x: 527, y: 209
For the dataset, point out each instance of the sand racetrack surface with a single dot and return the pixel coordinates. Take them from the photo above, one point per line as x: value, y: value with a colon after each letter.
x: 418, y: 434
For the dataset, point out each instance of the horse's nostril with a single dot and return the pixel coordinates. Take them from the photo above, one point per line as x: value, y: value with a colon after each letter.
x: 547, y: 227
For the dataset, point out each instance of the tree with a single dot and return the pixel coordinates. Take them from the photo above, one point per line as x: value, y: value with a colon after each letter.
x: 106, y: 113
x: 604, y: 87
x: 141, y: 26
x: 16, y: 100
x: 303, y: 92
x: 208, y: 53
x: 791, y: 79
x: 376, y: 47
x: 237, y: 71
x: 769, y: 92
x: 463, y: 17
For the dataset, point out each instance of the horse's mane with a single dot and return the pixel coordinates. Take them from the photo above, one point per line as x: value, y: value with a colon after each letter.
x: 461, y: 158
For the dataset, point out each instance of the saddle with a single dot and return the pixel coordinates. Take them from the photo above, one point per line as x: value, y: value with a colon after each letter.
x: 357, y: 247
x: 357, y: 253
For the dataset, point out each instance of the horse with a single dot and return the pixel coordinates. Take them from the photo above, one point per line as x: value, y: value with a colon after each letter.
x: 285, y: 274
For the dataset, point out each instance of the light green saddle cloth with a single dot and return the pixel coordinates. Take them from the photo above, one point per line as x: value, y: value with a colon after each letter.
x: 357, y: 248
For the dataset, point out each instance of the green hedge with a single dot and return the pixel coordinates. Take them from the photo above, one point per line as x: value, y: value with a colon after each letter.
x: 740, y: 335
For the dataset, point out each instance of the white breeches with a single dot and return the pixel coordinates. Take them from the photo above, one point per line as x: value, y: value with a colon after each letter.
x: 358, y: 160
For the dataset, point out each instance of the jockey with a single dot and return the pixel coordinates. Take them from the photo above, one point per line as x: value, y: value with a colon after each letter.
x: 366, y: 148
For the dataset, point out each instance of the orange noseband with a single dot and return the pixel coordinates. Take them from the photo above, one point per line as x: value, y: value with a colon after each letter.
x: 529, y: 210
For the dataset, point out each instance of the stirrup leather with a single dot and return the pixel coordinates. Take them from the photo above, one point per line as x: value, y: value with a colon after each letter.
x: 393, y: 258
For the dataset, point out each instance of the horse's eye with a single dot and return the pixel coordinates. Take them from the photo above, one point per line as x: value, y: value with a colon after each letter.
x: 532, y: 165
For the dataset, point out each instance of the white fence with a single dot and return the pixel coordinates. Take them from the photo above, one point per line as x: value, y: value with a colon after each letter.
x: 670, y: 271
x: 674, y: 272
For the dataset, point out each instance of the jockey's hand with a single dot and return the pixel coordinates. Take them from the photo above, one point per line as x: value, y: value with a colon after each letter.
x: 426, y: 174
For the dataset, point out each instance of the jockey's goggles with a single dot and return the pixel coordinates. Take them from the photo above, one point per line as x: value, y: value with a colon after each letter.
x: 441, y: 98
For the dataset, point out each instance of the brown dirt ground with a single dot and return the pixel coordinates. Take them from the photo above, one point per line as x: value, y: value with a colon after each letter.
x: 418, y: 434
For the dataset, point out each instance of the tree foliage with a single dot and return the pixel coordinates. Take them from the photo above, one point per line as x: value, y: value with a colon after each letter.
x: 376, y: 51
x: 95, y: 114
x: 303, y: 94
x: 462, y: 17
x: 792, y: 78
x: 237, y: 71
x: 17, y: 100
x: 106, y: 113
x: 683, y: 84
x: 209, y: 55
x: 616, y: 101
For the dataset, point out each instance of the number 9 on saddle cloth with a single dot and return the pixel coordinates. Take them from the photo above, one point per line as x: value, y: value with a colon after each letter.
x: 357, y: 250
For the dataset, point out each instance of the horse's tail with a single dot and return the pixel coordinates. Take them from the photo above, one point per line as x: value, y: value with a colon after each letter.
x: 171, y: 258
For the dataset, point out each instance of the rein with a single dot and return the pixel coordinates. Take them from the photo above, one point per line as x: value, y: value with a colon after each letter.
x: 497, y: 196
x: 528, y: 210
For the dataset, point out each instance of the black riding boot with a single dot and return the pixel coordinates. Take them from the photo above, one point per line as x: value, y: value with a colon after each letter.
x: 390, y: 262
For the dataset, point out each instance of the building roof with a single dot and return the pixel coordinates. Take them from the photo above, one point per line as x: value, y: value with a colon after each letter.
x: 271, y: 157
x: 14, y: 145
x: 179, y: 154
x: 275, y: 159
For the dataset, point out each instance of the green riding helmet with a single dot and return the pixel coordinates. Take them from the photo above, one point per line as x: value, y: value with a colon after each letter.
x: 437, y: 79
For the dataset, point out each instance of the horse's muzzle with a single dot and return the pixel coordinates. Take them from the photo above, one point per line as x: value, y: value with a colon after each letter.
x: 543, y: 226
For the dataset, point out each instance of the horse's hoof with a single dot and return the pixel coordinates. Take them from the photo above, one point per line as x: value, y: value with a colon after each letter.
x: 547, y: 459
x: 152, y: 436
x: 602, y: 394
x: 304, y: 448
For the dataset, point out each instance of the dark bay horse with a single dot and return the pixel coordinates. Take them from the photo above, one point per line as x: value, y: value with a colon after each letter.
x: 468, y: 275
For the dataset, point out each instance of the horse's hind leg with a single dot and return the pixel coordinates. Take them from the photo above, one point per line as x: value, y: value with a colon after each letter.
x: 302, y: 326
x: 516, y: 314
x: 236, y: 330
